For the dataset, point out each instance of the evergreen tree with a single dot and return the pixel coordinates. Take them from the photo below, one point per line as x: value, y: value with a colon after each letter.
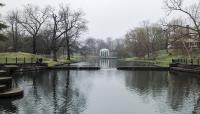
x: 2, y: 26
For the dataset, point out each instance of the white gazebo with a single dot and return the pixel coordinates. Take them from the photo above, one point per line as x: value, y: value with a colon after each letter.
x: 104, y: 53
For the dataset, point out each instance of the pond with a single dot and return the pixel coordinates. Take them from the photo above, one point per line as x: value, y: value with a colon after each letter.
x: 107, y: 91
x: 110, y: 63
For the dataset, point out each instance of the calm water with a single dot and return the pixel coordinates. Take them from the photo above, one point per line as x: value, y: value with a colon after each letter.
x: 110, y: 63
x: 107, y: 91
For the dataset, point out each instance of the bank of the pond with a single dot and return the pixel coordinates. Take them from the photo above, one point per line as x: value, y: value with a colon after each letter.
x: 162, y: 63
x: 145, y: 68
x: 162, y: 58
x: 21, y: 57
x: 74, y: 68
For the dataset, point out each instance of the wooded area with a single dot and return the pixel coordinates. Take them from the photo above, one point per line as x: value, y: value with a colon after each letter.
x: 51, y: 30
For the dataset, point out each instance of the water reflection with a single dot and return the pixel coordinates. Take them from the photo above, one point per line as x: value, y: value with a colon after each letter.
x: 8, y: 106
x: 179, y: 91
x: 107, y: 91
x: 144, y: 82
x: 184, y: 91
x: 104, y: 63
x: 109, y: 63
x: 49, y: 92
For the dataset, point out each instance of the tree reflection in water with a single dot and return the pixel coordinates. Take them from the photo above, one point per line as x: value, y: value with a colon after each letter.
x: 148, y: 81
x: 184, y: 90
x: 47, y: 92
x: 180, y: 91
x: 8, y: 106
x: 73, y: 101
x: 54, y: 85
x: 66, y: 92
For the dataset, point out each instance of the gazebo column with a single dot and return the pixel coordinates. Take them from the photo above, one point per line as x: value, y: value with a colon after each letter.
x: 106, y: 53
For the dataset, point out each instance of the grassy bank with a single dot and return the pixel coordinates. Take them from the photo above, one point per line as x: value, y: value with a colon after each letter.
x: 11, y: 58
x: 163, y: 58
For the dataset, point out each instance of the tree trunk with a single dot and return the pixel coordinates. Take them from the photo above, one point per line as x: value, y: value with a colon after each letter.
x: 13, y: 36
x: 166, y: 46
x: 34, y: 45
x: 68, y: 49
x: 54, y: 55
x: 68, y: 79
x: 187, y: 50
x: 16, y: 37
x: 167, y: 42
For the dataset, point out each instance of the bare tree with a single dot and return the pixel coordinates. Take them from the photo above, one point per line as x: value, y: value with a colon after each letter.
x: 57, y: 39
x: 166, y: 33
x: 157, y: 38
x: 120, y: 48
x: 12, y: 19
x: 74, y: 25
x: 193, y: 12
x: 146, y: 36
x: 179, y: 35
x: 145, y: 40
x: 90, y: 44
x: 65, y: 26
x: 32, y: 20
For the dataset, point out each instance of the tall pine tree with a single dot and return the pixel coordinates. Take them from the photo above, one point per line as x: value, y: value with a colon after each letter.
x: 2, y: 26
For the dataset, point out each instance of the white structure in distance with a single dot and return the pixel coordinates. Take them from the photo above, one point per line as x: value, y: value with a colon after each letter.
x: 104, y: 53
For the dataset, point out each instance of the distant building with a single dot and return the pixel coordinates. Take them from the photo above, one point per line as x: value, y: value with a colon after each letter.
x: 183, y: 38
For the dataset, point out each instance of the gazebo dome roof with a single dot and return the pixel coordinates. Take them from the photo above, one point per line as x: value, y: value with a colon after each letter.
x: 104, y: 49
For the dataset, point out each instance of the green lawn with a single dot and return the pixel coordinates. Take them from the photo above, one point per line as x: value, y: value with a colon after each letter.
x: 11, y: 58
x: 163, y: 58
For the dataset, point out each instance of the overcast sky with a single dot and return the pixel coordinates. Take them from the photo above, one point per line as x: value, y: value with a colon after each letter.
x: 107, y: 18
